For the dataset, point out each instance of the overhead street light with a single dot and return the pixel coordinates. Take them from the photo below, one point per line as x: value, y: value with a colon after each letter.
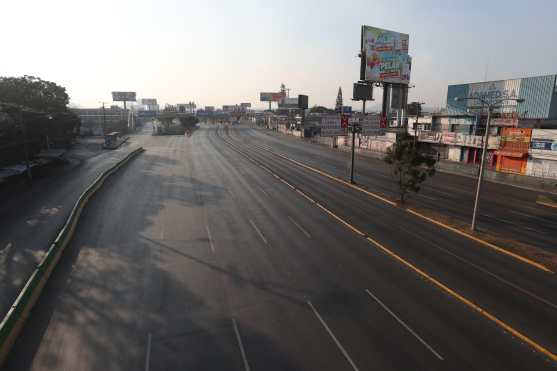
x: 491, y: 105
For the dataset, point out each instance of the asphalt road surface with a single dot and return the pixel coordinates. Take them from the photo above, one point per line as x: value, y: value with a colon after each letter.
x: 506, y: 211
x: 32, y: 215
x: 199, y: 256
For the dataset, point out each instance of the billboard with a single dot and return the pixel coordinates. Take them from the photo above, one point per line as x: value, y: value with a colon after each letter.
x: 272, y: 97
x: 123, y: 96
x: 331, y: 126
x: 370, y: 124
x: 245, y: 105
x: 149, y: 101
x: 385, y: 56
x: 362, y: 92
x: 543, y: 140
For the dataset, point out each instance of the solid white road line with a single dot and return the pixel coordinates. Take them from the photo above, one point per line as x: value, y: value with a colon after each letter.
x: 300, y: 227
x: 405, y: 325
x: 339, y: 345
x: 148, y: 353
x: 241, y: 345
x: 210, y: 238
x: 258, y: 231
x: 264, y: 191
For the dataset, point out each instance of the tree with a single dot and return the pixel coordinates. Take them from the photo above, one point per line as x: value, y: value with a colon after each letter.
x: 320, y: 109
x: 411, y: 167
x: 38, y: 111
x: 33, y: 93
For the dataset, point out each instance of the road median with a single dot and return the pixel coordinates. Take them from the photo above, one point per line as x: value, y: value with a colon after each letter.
x: 14, y: 320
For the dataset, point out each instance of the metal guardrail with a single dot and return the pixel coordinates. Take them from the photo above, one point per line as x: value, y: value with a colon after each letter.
x: 14, y: 320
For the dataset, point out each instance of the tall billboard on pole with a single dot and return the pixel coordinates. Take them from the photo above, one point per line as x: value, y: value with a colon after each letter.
x: 123, y: 96
x: 385, y: 56
x: 271, y: 97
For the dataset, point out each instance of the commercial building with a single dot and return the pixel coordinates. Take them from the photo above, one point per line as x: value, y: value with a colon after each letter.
x: 539, y: 94
x: 542, y: 160
x: 467, y: 117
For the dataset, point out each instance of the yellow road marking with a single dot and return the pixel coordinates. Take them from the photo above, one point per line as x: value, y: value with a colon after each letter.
x: 553, y: 205
x: 413, y: 212
x: 420, y: 272
x: 486, y: 243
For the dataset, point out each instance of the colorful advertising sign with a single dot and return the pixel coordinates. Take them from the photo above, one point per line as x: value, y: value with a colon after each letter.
x: 385, y: 56
x: 515, y: 140
x: 543, y: 140
x: 271, y: 97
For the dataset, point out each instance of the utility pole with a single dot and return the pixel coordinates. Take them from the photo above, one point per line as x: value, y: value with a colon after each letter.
x: 491, y: 105
x: 481, y: 174
x: 104, y: 120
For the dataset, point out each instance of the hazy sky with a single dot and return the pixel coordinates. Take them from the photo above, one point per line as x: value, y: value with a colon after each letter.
x: 226, y: 52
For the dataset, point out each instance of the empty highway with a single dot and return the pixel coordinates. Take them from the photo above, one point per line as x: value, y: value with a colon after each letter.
x: 210, y: 253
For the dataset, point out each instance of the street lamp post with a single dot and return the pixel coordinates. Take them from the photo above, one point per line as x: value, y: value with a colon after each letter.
x: 491, y: 105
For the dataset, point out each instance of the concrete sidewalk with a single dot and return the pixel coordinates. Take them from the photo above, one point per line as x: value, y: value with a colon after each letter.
x: 31, y: 215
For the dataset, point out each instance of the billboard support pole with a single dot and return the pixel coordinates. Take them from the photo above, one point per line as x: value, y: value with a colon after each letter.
x: 385, y: 102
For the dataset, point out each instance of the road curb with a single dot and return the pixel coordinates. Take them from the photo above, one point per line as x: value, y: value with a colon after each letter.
x: 14, y: 320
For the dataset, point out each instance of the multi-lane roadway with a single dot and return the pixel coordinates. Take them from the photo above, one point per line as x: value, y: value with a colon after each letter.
x: 213, y: 253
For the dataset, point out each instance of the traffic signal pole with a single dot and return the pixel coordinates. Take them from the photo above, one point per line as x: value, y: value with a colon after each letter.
x: 353, y: 142
x: 353, y: 126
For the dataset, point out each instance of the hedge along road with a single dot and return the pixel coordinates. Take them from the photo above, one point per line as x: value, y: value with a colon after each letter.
x: 15, y: 318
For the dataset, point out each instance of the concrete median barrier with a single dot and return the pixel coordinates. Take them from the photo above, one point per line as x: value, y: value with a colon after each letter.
x: 14, y: 320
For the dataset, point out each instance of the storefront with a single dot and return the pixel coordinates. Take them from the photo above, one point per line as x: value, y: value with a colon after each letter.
x: 542, y: 159
x: 512, y: 156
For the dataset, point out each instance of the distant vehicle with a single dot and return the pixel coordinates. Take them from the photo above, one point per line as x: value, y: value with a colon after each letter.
x: 113, y: 140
